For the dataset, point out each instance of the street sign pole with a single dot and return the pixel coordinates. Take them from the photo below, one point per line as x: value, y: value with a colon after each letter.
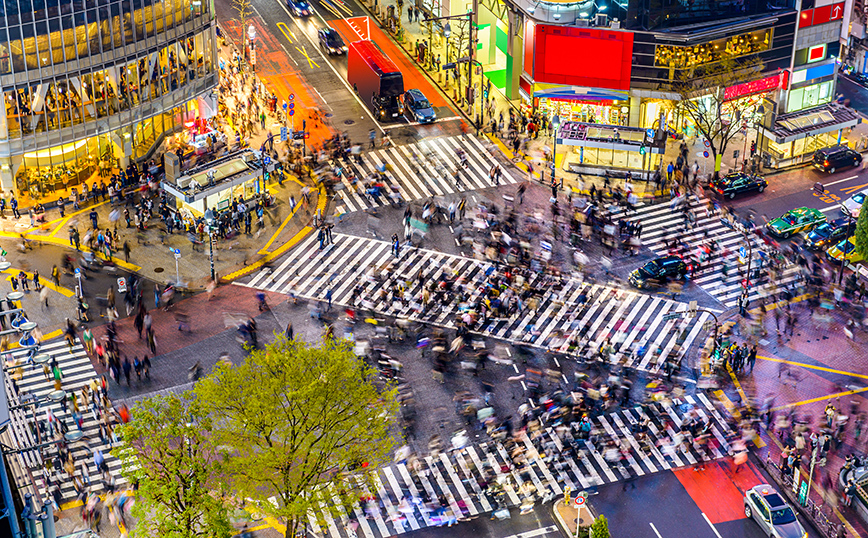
x: 177, y: 253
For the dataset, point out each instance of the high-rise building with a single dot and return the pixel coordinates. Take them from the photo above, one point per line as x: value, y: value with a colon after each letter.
x: 91, y: 85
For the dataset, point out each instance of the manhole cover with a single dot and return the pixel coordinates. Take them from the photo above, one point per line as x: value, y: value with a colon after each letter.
x: 329, y: 114
x: 158, y: 270
x: 349, y: 122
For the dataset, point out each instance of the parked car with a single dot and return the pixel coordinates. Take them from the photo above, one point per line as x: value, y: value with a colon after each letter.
x: 299, y: 8
x: 844, y: 249
x: 836, y: 157
x: 738, y: 182
x: 802, y: 219
x: 829, y: 233
x: 417, y: 107
x: 331, y: 41
x: 765, y: 506
x: 658, y: 271
x: 853, y: 204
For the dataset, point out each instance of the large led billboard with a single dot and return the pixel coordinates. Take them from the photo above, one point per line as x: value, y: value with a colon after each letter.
x: 583, y: 57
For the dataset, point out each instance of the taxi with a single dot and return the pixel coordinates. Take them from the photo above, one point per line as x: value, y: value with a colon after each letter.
x: 765, y: 506
x: 801, y: 219
x: 845, y: 249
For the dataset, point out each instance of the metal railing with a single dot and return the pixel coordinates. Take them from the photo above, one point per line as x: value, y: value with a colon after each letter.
x: 819, y: 519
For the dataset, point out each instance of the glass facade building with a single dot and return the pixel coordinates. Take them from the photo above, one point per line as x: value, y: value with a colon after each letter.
x: 91, y: 85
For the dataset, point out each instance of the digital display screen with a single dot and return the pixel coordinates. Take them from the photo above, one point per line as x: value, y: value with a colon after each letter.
x: 583, y: 57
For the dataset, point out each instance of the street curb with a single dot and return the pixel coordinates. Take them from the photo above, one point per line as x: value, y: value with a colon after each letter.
x: 562, y: 525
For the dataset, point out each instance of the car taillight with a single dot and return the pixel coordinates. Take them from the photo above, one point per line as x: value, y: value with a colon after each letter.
x: 826, y: 163
x: 720, y: 191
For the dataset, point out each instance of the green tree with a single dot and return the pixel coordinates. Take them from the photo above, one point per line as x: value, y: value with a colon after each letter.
x: 600, y: 528
x: 168, y: 451
x: 296, y: 421
x: 861, y: 237
x: 702, y: 100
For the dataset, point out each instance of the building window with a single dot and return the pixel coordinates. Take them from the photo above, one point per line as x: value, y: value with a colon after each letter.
x: 713, y: 51
x: 809, y: 96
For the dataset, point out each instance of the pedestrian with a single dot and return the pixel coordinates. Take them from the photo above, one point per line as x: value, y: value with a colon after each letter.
x: 751, y: 358
x: 329, y: 299
x: 396, y: 246
x: 127, y: 251
x: 743, y: 303
x: 127, y: 369
x: 14, y: 205
x: 43, y: 296
x: 520, y: 193
x: 290, y: 332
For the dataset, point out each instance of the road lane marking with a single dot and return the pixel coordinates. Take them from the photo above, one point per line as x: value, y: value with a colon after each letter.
x: 536, y: 532
x: 712, y: 526
x: 813, y: 367
x: 653, y: 528
x: 335, y: 71
x: 284, y: 29
x: 840, y: 181
x: 853, y: 188
x: 310, y: 61
x: 820, y: 398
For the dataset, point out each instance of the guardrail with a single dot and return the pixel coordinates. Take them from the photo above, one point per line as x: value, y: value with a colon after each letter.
x: 810, y: 510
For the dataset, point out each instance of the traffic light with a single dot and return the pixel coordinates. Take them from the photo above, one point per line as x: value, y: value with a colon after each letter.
x: 753, y: 147
x: 642, y: 149
x: 267, y: 176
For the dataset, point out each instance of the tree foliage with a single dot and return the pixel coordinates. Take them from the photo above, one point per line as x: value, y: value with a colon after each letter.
x: 860, y: 238
x: 244, y: 9
x: 295, y: 421
x: 701, y: 92
x: 168, y: 451
x: 600, y: 528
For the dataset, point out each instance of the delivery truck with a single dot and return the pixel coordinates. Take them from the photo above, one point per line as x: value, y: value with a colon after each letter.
x: 376, y: 80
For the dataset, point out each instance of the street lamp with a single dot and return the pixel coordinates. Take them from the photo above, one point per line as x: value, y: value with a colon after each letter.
x: 843, y: 251
x: 209, y: 222
x: 556, y: 122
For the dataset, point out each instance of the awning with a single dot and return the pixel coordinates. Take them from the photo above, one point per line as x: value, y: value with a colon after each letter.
x: 822, y: 119
x: 578, y: 93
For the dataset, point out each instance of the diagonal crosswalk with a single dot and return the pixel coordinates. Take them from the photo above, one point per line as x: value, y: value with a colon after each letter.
x: 661, y: 223
x: 32, y: 385
x: 479, y: 478
x: 422, y: 170
x: 645, y: 329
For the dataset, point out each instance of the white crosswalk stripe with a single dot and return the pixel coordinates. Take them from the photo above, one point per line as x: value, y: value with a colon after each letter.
x: 661, y: 223
x: 631, y: 321
x: 478, y: 478
x: 421, y: 170
x: 77, y: 372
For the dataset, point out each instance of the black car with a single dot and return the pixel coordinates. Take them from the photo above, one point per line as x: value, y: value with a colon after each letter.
x: 738, y: 182
x: 828, y: 234
x: 331, y: 42
x: 299, y: 8
x: 835, y: 157
x: 417, y: 107
x: 658, y: 271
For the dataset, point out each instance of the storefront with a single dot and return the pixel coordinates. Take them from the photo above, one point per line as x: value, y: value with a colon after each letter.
x: 47, y: 174
x: 597, y: 149
x: 795, y: 137
x: 214, y: 185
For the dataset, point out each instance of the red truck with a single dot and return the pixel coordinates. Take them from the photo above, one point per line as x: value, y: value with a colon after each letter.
x: 376, y: 79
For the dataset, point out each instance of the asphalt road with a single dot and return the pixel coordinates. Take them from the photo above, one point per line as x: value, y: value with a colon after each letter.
x: 698, y: 504
x: 538, y: 524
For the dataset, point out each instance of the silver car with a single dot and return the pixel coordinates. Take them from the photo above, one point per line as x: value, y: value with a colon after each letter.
x: 765, y: 506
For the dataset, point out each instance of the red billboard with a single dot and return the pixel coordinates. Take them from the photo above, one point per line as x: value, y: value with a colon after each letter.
x: 756, y: 86
x: 583, y: 57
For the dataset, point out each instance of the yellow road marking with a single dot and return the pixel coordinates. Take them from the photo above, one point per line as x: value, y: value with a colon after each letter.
x: 284, y: 29
x: 780, y: 304
x: 306, y: 55
x: 66, y: 292
x: 813, y: 367
x: 343, y: 6
x: 322, y: 201
x: 820, y: 399
x: 264, y: 250
x: 329, y: 7
x: 851, y: 190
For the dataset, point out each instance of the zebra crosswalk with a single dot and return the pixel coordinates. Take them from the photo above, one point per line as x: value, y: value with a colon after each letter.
x: 661, y: 223
x: 33, y: 386
x: 643, y: 329
x: 422, y: 170
x: 480, y: 478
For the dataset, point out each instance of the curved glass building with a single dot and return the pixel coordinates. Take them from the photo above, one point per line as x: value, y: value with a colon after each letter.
x: 92, y: 85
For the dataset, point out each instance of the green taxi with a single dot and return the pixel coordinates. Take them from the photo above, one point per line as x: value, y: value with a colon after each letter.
x: 802, y: 219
